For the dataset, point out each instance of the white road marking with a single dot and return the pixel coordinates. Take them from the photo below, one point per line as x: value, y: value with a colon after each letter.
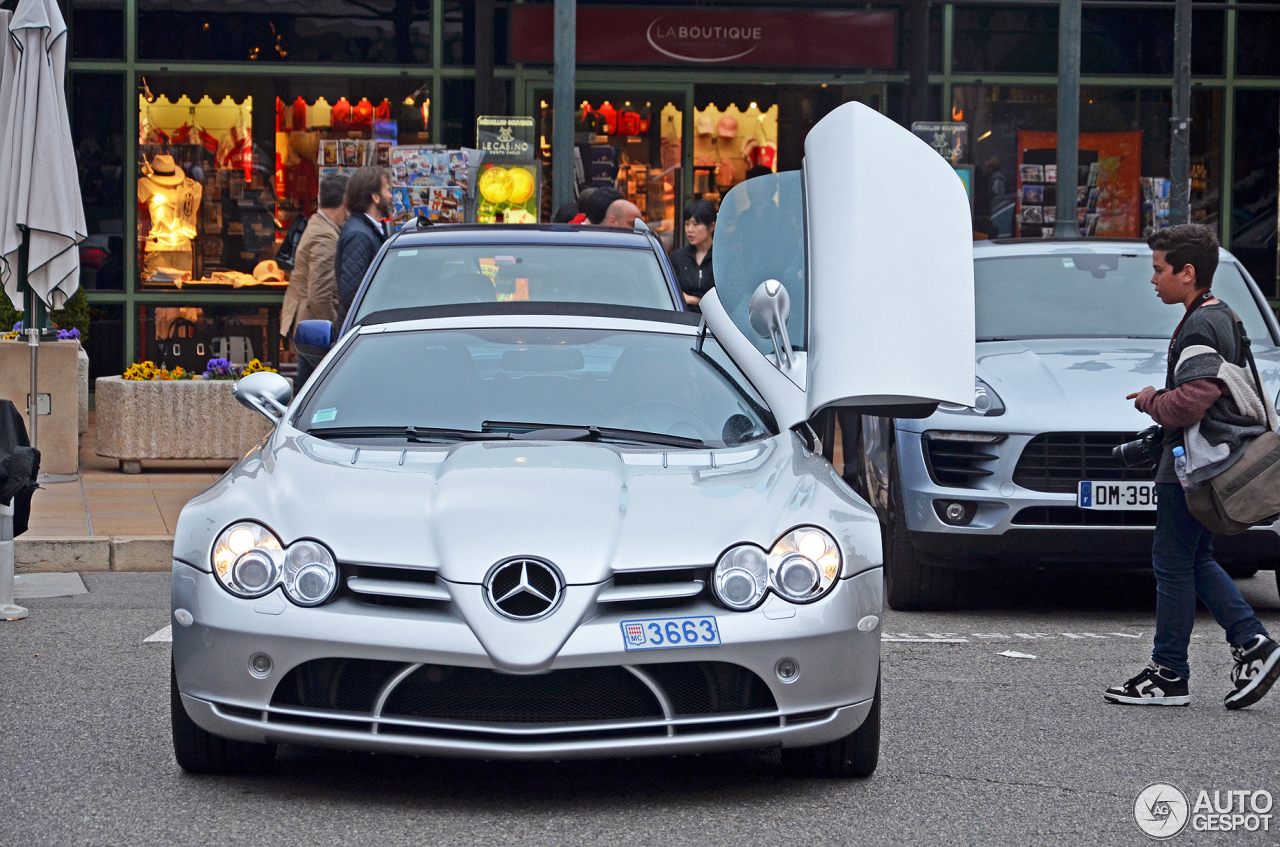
x: 958, y: 638
x: 161, y: 635
x: 1014, y: 654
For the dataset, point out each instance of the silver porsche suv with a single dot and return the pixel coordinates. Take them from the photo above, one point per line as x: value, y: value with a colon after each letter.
x: 1024, y: 477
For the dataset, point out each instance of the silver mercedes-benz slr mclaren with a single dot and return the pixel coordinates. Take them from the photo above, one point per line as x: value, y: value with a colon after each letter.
x: 556, y: 530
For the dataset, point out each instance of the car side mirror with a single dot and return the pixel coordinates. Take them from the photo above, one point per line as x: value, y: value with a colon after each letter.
x: 312, y: 340
x: 265, y: 392
x: 768, y: 310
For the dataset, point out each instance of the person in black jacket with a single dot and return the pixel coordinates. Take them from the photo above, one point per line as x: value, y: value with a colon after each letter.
x: 368, y: 201
x: 692, y: 263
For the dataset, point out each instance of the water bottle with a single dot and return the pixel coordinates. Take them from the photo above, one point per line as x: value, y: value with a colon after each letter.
x: 1180, y: 467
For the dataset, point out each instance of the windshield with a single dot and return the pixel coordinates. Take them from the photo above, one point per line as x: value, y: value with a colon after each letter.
x: 1090, y: 295
x: 485, y: 273
x: 466, y: 381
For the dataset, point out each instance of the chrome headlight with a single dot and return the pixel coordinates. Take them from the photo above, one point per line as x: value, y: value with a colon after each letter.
x: 804, y: 564
x: 985, y: 402
x: 741, y: 577
x: 801, y: 567
x: 249, y: 561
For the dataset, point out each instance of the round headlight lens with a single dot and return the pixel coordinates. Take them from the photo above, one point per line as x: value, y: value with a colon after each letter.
x: 245, y: 559
x: 310, y: 573
x: 741, y: 577
x: 804, y: 564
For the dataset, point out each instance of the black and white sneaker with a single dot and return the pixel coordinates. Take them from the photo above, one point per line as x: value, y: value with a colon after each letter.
x: 1257, y: 667
x: 1155, y: 686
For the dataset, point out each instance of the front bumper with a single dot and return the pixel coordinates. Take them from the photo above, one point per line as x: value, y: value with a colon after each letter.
x: 1001, y: 530
x: 829, y: 699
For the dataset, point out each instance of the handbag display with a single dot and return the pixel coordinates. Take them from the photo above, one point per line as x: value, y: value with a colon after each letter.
x: 1247, y: 493
x: 185, y: 347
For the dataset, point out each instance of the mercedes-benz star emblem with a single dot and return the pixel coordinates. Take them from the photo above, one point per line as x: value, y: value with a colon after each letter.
x: 524, y: 589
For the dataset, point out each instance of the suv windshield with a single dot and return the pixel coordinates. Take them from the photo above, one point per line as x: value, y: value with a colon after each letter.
x: 1090, y: 295
x: 484, y: 273
x: 453, y: 383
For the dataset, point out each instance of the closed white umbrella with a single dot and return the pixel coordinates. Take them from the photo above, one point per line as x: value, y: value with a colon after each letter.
x: 39, y: 187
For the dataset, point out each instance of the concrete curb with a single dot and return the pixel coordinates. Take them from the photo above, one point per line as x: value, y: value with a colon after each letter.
x: 93, y: 553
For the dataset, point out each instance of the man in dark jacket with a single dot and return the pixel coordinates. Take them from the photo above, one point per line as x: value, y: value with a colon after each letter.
x: 368, y: 201
x: 1184, y: 258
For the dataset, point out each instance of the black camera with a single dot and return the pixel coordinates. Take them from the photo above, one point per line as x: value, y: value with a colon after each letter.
x: 1143, y: 450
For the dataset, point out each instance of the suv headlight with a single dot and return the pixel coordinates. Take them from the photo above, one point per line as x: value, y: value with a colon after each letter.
x: 985, y: 402
x: 801, y: 567
x: 249, y: 561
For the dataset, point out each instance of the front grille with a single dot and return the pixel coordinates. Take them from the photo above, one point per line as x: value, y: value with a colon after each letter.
x: 1057, y: 461
x: 957, y: 464
x: 477, y: 695
x: 1073, y: 516
x: 711, y: 688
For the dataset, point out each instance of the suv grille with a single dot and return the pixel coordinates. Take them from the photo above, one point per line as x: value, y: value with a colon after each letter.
x: 1056, y: 461
x: 958, y: 464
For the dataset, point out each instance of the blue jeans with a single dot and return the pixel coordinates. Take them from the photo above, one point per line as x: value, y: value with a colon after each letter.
x: 1182, y: 556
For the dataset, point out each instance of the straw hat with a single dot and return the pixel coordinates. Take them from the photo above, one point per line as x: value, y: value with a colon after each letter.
x: 165, y: 171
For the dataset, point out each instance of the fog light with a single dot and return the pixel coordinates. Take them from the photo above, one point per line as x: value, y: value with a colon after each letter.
x: 260, y: 665
x: 788, y: 670
x: 956, y: 512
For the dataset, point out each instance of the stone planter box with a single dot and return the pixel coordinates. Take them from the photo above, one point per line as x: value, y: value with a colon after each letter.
x: 64, y: 375
x: 162, y: 419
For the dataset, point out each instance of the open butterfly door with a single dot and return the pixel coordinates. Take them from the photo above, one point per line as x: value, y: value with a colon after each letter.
x: 870, y: 246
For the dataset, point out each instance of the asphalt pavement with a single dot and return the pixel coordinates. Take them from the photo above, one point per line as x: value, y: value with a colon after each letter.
x: 978, y: 747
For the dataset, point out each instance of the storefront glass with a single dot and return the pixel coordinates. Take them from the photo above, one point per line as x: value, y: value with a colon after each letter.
x: 372, y: 31
x: 1009, y: 40
x: 1256, y: 40
x: 1122, y: 187
x: 1253, y: 207
x: 459, y: 35
x: 188, y: 336
x: 97, y: 130
x: 632, y: 140
x: 96, y: 28
x: 226, y: 164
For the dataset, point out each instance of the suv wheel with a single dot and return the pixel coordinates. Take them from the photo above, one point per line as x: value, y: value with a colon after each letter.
x: 198, y: 751
x: 857, y: 754
x: 910, y: 584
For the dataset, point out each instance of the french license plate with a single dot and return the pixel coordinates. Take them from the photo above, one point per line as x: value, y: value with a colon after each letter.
x: 1117, y: 496
x: 658, y: 633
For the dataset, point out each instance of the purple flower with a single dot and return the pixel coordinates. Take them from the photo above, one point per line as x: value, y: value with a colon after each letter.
x: 69, y: 334
x: 17, y: 327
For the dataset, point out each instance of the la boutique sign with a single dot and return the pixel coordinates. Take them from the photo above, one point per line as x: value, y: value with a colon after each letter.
x: 625, y: 35
x: 706, y: 43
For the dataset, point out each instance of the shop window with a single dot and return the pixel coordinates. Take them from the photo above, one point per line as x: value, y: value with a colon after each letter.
x: 227, y: 165
x: 935, y: 38
x: 633, y: 141
x: 104, y: 340
x: 1122, y: 187
x: 1013, y: 40
x: 1140, y: 41
x: 458, y: 120
x: 372, y: 31
x: 97, y: 29
x: 189, y: 336
x: 97, y: 131
x: 1253, y: 211
x: 1256, y: 37
x: 459, y: 34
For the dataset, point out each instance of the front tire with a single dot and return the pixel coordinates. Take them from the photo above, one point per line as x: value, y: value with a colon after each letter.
x: 198, y: 751
x: 910, y: 584
x: 855, y: 755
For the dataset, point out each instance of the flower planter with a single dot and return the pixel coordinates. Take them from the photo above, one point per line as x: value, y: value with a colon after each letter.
x: 172, y: 419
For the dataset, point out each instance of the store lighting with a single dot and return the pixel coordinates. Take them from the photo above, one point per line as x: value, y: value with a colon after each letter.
x: 754, y: 106
x: 984, y: 135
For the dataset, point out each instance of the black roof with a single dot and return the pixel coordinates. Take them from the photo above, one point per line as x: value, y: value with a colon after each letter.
x: 564, y: 234
x: 530, y: 307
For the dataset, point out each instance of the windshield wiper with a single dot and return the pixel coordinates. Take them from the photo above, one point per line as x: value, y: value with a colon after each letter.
x: 568, y: 432
x: 410, y: 433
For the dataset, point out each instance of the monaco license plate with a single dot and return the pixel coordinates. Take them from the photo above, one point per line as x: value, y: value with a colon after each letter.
x: 1117, y: 496
x: 658, y: 633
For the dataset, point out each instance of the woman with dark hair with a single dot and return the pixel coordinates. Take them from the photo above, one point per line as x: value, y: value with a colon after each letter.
x: 692, y: 263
